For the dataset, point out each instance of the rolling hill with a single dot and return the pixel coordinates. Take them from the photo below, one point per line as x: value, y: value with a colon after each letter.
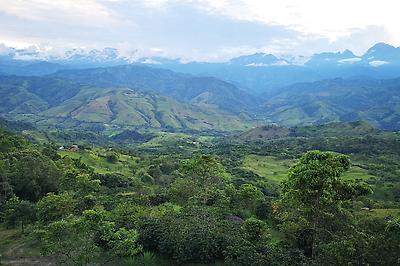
x: 140, y: 96
x: 329, y: 130
x: 376, y: 101
x: 201, y: 91
x: 58, y: 102
x: 126, y: 107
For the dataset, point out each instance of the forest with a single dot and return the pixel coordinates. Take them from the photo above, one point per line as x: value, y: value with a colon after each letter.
x: 312, y: 195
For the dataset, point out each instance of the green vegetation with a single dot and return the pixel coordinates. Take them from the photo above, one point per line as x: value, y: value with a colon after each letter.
x: 276, y: 170
x: 315, y: 194
x: 15, y: 244
x: 124, y: 107
x: 272, y: 168
x: 56, y: 101
x: 336, y: 100
x: 201, y: 199
x: 99, y: 160
x: 134, y: 165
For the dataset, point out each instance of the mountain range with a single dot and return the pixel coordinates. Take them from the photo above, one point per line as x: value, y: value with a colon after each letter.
x: 104, y: 89
x: 201, y: 91
x: 262, y: 73
x: 336, y: 100
x: 377, y: 55
x: 258, y: 73
x: 48, y: 101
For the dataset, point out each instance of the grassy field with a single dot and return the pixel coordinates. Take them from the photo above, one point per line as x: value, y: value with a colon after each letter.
x: 275, y: 169
x: 272, y: 168
x: 165, y: 139
x: 96, y: 158
x: 358, y: 173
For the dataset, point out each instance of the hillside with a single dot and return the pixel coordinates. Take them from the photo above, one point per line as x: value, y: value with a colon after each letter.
x: 376, y: 101
x: 319, y: 102
x: 34, y: 94
x: 330, y: 130
x: 126, y: 107
x: 201, y: 91
x: 349, y: 129
x: 76, y: 97
x: 63, y: 103
x: 263, y: 133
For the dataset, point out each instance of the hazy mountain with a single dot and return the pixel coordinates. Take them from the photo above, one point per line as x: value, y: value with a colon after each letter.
x: 329, y: 59
x: 29, y: 68
x: 253, y: 77
x: 77, y: 56
x: 266, y: 73
x: 258, y: 59
x: 259, y: 73
x: 382, y: 54
x: 34, y: 61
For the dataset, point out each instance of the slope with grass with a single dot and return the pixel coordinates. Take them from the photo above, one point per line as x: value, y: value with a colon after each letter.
x: 97, y: 160
x: 275, y: 170
x: 337, y: 100
x: 126, y: 107
x: 202, y: 91
x: 330, y: 130
x: 53, y: 102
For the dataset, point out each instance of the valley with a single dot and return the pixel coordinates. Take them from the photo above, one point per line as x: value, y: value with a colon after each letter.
x: 148, y: 179
x: 260, y: 160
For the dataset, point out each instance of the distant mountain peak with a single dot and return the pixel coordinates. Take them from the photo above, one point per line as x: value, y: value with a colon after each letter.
x: 379, y: 46
x: 259, y: 59
x: 329, y: 58
x: 348, y: 53
x: 158, y: 60
x: 382, y: 53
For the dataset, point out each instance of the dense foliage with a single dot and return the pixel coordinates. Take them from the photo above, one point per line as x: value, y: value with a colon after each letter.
x: 147, y: 205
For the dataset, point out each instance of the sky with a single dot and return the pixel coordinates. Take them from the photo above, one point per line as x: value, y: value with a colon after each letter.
x: 206, y: 30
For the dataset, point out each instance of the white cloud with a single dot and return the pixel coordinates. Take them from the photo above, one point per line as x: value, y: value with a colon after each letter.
x: 332, y: 19
x: 350, y: 60
x: 279, y: 63
x: 77, y: 12
x: 212, y: 30
x: 151, y: 61
x: 378, y: 63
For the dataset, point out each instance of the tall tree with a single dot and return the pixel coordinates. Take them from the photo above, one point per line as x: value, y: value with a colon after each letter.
x: 19, y: 211
x: 314, y: 193
x: 204, y: 169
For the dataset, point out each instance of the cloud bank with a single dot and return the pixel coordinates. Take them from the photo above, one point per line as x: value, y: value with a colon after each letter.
x: 211, y: 30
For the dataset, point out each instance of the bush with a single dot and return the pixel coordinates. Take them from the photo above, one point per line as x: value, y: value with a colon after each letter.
x: 145, y: 259
x: 55, y: 207
x: 194, y: 235
x: 112, y: 157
